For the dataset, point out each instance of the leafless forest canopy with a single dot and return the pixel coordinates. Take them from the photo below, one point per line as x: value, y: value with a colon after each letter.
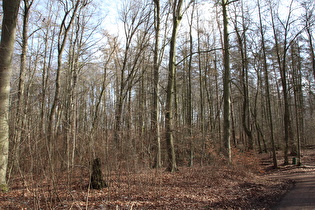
x: 129, y: 90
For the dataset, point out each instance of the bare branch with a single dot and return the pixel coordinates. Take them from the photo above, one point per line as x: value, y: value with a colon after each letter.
x: 199, y: 52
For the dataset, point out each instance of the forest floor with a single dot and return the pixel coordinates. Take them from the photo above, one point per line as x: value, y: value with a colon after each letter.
x: 249, y: 184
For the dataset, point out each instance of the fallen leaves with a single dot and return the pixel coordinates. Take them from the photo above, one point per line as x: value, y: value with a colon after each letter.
x: 211, y: 187
x: 194, y: 188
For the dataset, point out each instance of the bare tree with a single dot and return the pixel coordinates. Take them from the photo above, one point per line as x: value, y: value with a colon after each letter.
x: 241, y: 36
x: 296, y: 67
x: 281, y: 54
x: 70, y: 11
x: 170, y: 92
x: 156, y: 62
x: 20, y: 109
x: 226, y: 85
x: 189, y: 115
x: 136, y: 22
x: 266, y: 79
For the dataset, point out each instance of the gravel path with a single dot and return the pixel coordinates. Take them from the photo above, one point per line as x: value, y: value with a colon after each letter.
x: 302, y: 195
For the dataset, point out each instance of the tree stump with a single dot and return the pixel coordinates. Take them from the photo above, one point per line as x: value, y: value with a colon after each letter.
x: 97, y: 181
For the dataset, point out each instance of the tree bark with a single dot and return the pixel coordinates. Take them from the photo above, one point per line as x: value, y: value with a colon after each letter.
x: 155, y: 112
x: 201, y: 94
x: 226, y: 86
x: 189, y: 92
x: 170, y: 92
x: 10, y: 13
x: 298, y: 96
x: 96, y: 180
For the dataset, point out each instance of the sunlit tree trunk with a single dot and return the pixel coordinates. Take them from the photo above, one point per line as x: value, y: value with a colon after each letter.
x: 226, y: 86
x: 170, y: 92
x: 10, y: 13
x: 201, y: 95
x: 155, y: 112
x: 189, y: 91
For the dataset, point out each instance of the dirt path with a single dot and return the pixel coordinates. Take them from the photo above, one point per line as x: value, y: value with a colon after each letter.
x: 302, y: 195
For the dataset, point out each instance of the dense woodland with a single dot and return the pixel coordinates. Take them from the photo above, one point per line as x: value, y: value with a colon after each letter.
x: 165, y: 83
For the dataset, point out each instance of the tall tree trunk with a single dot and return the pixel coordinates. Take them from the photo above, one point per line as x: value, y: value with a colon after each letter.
x: 189, y: 92
x: 155, y: 112
x: 226, y: 86
x: 201, y: 95
x: 266, y: 73
x: 62, y: 39
x: 75, y: 49
x: 170, y: 92
x: 242, y: 42
x: 283, y: 73
x: 298, y: 96
x: 10, y: 13
x: 20, y: 112
x: 47, y: 62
